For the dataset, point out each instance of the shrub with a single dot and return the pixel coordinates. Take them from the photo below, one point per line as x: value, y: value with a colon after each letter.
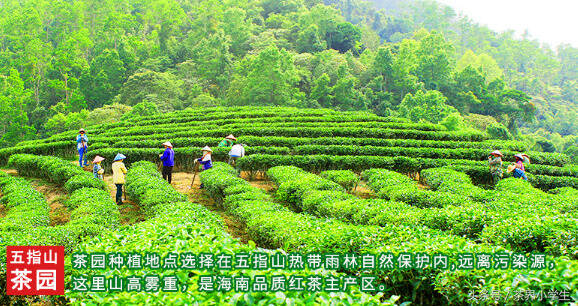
x: 145, y: 186
x: 293, y: 183
x: 448, y: 180
x: 93, y: 211
x: 83, y: 181
x: 345, y: 178
x: 384, y: 181
x: 55, y: 170
x: 25, y: 207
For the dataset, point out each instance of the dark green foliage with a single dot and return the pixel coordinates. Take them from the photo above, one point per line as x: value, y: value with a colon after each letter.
x: 344, y: 55
x: 449, y: 180
x: 294, y: 183
x: 498, y: 131
x: 464, y: 209
x: 27, y: 218
x: 189, y: 227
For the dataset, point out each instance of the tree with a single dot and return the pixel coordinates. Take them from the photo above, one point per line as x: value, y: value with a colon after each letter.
x: 162, y: 88
x: 429, y: 106
x: 484, y: 63
x: 346, y: 96
x: 568, y: 56
x: 107, y: 114
x: 238, y: 28
x: 345, y: 37
x: 328, y: 62
x: 434, y: 60
x: 382, y: 68
x: 279, y: 6
x: 102, y: 81
x: 322, y: 91
x: 213, y: 63
x: 309, y: 40
x: 516, y: 104
x: 498, y: 131
x: 69, y: 62
x: 267, y: 78
x: 404, y: 67
x: 65, y: 122
x: 14, y: 125
x: 453, y: 122
x: 141, y: 109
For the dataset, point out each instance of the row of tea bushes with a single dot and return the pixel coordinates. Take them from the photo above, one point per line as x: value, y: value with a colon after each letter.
x: 275, y: 224
x: 544, y: 221
x: 179, y: 226
x: 25, y: 207
x: 55, y: 170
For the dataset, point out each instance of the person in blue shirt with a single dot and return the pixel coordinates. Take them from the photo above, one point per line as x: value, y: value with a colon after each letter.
x: 97, y: 169
x: 168, y: 158
x: 206, y: 161
x: 82, y: 146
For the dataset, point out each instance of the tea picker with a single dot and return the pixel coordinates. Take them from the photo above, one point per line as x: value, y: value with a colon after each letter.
x: 206, y: 161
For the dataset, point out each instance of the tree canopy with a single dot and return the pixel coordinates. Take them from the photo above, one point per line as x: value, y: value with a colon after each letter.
x: 66, y: 63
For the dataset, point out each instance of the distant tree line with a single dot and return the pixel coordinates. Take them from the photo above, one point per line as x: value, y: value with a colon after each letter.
x: 66, y: 64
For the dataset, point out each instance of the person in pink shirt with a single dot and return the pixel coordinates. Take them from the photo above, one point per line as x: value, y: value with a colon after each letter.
x: 520, y: 171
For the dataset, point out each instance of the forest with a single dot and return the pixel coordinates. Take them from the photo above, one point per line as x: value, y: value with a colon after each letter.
x: 71, y: 64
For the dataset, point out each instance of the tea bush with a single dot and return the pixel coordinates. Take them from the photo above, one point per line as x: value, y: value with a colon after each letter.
x: 345, y: 178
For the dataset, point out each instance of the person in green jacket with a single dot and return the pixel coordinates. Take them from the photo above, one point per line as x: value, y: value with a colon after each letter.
x: 228, y: 142
x: 495, y: 161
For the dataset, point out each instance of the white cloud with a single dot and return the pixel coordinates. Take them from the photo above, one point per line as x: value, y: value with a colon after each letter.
x: 553, y: 22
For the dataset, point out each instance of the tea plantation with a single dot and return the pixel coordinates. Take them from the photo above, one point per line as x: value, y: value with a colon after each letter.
x: 429, y: 192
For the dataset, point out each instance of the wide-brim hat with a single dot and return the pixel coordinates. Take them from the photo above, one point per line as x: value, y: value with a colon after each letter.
x: 168, y: 144
x: 511, y: 168
x: 81, y: 131
x: 231, y: 137
x: 497, y: 152
x: 206, y: 148
x: 97, y: 159
x: 519, y: 156
x: 119, y: 157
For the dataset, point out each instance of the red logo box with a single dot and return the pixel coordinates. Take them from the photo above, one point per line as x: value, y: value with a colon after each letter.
x: 35, y: 270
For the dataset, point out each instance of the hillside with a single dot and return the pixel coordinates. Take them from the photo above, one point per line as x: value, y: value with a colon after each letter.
x: 367, y: 128
x: 73, y: 64
x: 314, y: 139
x: 420, y: 189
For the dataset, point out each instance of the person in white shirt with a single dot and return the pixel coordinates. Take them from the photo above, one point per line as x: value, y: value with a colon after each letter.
x: 237, y: 151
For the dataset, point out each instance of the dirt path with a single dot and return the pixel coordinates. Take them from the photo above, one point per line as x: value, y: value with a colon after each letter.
x: 267, y: 186
x: 363, y: 191
x: 56, y: 198
x: 130, y: 213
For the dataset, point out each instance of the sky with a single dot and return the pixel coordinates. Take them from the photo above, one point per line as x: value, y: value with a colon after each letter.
x: 549, y: 21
